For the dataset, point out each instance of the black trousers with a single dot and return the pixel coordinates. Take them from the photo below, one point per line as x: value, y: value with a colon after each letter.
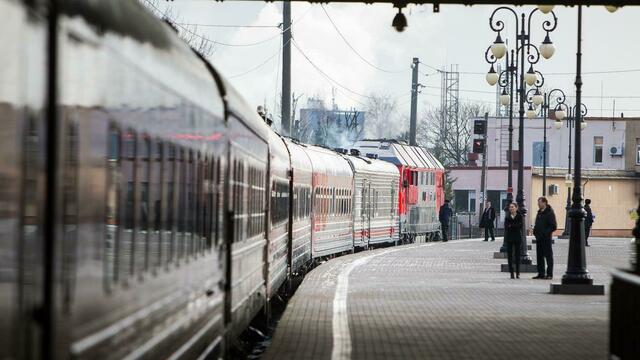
x: 513, y: 254
x: 445, y: 231
x: 544, y: 251
x: 489, y: 230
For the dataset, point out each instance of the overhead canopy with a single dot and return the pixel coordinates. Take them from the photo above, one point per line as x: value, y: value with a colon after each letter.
x: 490, y: 2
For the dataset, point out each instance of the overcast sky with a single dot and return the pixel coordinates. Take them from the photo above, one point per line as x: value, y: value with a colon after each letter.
x: 456, y: 35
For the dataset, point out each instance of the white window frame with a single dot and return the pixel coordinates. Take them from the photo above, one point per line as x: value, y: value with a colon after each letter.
x: 595, y: 147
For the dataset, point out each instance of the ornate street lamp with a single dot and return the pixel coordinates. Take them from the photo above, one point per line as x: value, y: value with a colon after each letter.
x: 544, y: 101
x: 570, y: 123
x: 524, y: 49
x: 576, y: 280
x: 505, y: 80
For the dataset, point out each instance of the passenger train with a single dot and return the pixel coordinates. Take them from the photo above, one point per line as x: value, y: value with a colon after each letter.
x: 146, y: 210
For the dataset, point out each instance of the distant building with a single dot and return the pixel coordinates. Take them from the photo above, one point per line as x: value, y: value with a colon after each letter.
x: 610, y: 162
x: 331, y: 128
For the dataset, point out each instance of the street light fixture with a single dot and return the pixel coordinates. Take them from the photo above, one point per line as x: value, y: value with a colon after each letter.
x: 547, y: 49
x: 544, y: 101
x: 506, y: 82
x: 537, y: 98
x: 558, y: 124
x: 531, y: 112
x: 499, y: 48
x: 571, y: 123
x: 545, y: 9
x: 492, y: 76
x: 523, y: 49
x: 611, y: 8
x: 530, y: 76
x: 504, y: 97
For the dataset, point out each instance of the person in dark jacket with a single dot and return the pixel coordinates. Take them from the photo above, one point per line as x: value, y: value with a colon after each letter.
x: 588, y: 221
x: 445, y: 216
x: 513, y: 227
x: 543, y: 231
x: 488, y: 218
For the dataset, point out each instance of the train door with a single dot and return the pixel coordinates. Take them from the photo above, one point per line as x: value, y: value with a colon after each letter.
x: 363, y: 213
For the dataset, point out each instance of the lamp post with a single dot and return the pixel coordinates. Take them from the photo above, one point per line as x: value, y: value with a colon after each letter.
x: 524, y: 49
x: 562, y: 110
x: 505, y: 81
x: 576, y: 279
x: 538, y: 98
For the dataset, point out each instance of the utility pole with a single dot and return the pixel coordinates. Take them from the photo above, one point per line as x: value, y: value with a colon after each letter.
x: 286, y: 68
x: 414, y: 102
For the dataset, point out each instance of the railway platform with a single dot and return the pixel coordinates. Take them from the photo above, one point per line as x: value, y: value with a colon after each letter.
x: 445, y: 301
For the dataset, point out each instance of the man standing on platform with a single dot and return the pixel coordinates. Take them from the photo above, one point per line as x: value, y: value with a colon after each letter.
x: 543, y: 231
x: 445, y: 216
x: 588, y: 221
x: 487, y: 221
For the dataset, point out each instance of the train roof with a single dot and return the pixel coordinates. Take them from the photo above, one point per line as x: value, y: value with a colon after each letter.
x: 327, y: 161
x: 400, y: 153
x: 367, y: 165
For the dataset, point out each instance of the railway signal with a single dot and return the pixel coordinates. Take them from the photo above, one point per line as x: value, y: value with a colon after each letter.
x: 478, y: 146
x: 479, y: 127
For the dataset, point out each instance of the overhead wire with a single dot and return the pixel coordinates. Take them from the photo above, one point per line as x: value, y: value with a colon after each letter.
x: 215, y: 42
x: 356, y: 51
x: 295, y: 44
x: 257, y: 66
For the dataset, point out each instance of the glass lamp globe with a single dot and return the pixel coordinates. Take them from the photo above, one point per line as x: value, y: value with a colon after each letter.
x: 560, y: 114
x: 537, y: 99
x: 611, y: 8
x: 498, y: 48
x: 558, y: 124
x: 531, y: 113
x: 583, y: 125
x: 505, y: 99
x: 545, y: 9
x: 547, y: 49
x: 492, y: 76
x: 530, y: 77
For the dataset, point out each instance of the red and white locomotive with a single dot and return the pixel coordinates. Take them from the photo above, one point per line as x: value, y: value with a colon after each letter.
x: 148, y: 211
x: 421, y: 189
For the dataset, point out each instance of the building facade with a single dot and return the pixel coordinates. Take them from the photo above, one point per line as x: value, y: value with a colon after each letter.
x: 610, y: 161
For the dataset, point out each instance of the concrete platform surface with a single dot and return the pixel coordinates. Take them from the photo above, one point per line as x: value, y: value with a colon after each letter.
x: 444, y: 301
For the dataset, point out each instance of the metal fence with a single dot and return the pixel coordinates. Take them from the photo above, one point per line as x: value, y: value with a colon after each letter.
x: 465, y: 225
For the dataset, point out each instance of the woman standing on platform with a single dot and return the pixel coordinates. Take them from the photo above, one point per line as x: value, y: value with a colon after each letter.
x: 513, y: 227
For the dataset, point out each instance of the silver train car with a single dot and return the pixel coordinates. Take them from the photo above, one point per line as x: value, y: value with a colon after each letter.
x: 147, y: 210
x: 375, y: 210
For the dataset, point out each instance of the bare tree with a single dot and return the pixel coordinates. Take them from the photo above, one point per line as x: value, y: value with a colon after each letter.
x: 449, y: 139
x: 353, y: 125
x: 198, y: 42
x: 381, y: 117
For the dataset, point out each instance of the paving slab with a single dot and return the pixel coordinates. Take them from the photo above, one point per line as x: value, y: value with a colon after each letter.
x: 445, y: 301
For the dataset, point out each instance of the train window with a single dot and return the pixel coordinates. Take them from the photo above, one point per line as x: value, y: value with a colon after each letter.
x: 129, y: 171
x: 142, y: 245
x: 279, y: 201
x: 238, y: 206
x: 195, y: 204
x: 170, y: 203
x: 112, y: 206
x: 192, y: 188
x: 156, y: 203
x: 210, y: 202
x: 180, y: 188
